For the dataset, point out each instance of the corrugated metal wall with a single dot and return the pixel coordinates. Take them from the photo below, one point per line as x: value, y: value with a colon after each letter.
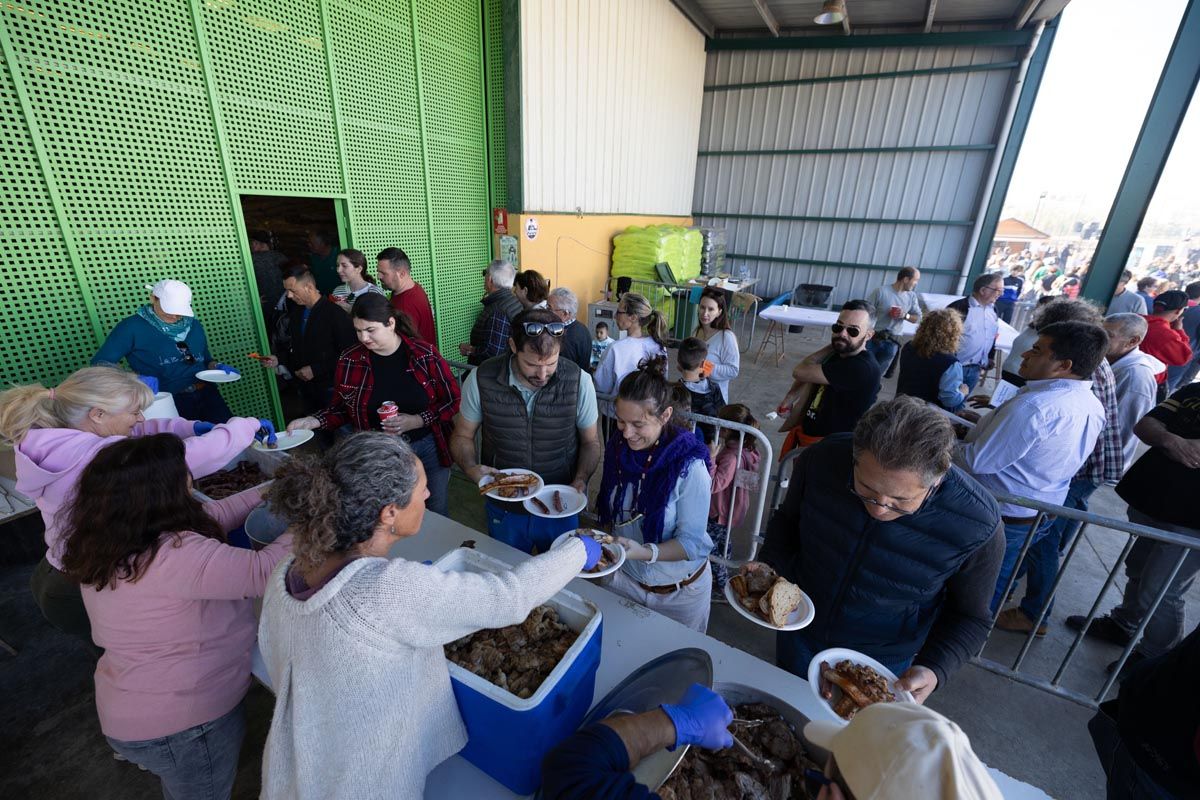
x: 610, y: 103
x: 880, y: 172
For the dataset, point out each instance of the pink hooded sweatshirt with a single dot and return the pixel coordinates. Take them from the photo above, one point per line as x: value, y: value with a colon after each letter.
x: 724, y: 472
x: 49, y: 461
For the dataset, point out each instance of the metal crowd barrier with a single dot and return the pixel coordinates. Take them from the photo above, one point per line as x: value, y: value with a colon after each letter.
x: 1185, y: 543
x: 757, y: 509
x: 1085, y: 518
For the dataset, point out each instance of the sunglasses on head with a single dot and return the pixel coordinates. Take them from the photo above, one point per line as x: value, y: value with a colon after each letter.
x: 186, y: 351
x: 552, y: 328
x: 852, y: 330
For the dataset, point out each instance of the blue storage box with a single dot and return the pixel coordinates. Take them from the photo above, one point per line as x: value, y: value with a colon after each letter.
x: 508, y: 736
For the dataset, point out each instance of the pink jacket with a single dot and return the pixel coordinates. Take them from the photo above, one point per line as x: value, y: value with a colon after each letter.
x: 178, y: 642
x: 724, y: 471
x: 49, y: 461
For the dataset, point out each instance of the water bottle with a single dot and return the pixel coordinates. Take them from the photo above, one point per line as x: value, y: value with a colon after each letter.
x: 743, y: 273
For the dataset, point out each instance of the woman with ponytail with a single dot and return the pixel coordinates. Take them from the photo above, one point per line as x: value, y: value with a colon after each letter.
x: 646, y: 338
x: 171, y: 603
x: 531, y: 289
x: 56, y: 433
x: 390, y: 363
x: 353, y: 641
x: 655, y: 494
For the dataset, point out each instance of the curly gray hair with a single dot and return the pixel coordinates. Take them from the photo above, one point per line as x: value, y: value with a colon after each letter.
x: 333, y: 502
x: 906, y: 434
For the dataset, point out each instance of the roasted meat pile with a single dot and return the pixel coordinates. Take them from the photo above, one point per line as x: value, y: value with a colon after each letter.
x: 246, y: 475
x: 510, y: 484
x: 860, y: 687
x: 607, y: 543
x: 517, y: 658
x: 763, y: 592
x: 731, y: 775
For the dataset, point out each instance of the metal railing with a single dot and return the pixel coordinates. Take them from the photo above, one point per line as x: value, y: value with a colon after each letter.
x: 1085, y: 518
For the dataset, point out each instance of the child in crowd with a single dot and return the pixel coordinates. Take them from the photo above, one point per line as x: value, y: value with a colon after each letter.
x: 725, y: 510
x: 706, y: 395
x: 600, y: 343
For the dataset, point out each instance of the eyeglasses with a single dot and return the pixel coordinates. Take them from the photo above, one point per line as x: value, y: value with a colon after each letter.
x: 186, y: 352
x: 552, y: 328
x: 904, y: 512
x: 852, y: 330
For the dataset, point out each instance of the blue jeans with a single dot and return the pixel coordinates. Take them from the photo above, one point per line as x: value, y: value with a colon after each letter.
x: 793, y: 653
x: 1041, y: 558
x: 437, y: 476
x: 884, y: 351
x: 199, y: 763
x: 525, y: 531
x: 971, y: 376
x: 1182, y: 375
x: 1041, y: 578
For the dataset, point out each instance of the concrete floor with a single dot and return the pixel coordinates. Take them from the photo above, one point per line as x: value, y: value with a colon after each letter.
x: 51, y: 746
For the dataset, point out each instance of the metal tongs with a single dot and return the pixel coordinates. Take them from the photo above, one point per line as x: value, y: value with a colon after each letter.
x: 770, y: 764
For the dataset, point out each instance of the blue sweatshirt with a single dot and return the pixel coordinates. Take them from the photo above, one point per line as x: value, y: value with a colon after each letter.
x: 592, y: 763
x: 150, y: 352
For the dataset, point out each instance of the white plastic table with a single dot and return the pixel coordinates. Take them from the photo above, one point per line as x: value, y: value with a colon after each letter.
x: 632, y: 636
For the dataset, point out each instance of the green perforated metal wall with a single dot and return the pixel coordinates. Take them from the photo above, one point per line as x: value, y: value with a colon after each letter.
x: 493, y: 51
x: 132, y: 128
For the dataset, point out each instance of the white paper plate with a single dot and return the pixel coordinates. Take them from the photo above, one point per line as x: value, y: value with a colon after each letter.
x: 835, y: 654
x: 217, y: 376
x: 611, y: 549
x: 572, y: 501
x: 800, y: 618
x: 284, y: 441
x: 513, y: 471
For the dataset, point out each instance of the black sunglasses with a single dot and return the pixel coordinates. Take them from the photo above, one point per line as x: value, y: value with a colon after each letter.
x: 188, y: 358
x: 552, y: 328
x: 853, y: 330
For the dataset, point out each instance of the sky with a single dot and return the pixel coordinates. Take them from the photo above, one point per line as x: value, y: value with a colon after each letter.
x: 1102, y: 72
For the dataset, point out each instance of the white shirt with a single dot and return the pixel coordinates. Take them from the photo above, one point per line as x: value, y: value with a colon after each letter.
x: 1033, y: 444
x: 621, y: 359
x: 979, y: 333
x: 726, y: 360
x: 1137, y: 393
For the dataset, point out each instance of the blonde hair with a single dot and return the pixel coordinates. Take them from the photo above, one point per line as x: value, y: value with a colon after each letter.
x: 939, y: 332
x: 652, y: 321
x: 23, y: 408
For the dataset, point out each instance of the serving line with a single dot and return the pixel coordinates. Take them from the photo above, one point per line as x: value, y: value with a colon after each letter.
x: 632, y: 636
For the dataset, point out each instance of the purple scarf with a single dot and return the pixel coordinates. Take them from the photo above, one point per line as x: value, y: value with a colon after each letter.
x: 677, y: 448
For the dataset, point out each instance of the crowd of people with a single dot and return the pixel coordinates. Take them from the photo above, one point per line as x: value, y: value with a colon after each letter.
x: 890, y: 521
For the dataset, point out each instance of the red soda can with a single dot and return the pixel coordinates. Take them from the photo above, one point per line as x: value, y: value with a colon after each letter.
x: 387, y: 411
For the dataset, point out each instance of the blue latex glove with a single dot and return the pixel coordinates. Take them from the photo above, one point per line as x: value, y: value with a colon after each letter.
x: 702, y: 717
x: 594, y: 551
x: 266, y: 432
x: 150, y: 381
x: 201, y: 428
x: 228, y: 369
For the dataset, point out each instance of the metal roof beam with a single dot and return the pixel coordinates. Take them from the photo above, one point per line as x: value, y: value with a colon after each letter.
x: 1025, y: 13
x: 767, y: 17
x: 697, y: 17
x: 949, y: 39
x: 930, y: 10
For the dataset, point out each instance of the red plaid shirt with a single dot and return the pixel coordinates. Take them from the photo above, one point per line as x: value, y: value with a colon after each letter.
x: 352, y: 384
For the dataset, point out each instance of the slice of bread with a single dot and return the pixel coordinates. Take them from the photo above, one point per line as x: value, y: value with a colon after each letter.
x: 782, y: 600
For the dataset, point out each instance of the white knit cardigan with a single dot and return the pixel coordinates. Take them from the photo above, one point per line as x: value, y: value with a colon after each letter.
x: 363, y: 705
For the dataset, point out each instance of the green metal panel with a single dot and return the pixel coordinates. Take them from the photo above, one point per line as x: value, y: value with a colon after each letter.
x: 1167, y: 108
x: 1011, y: 149
x: 493, y: 51
x: 865, y: 76
x: 839, y: 42
x: 133, y: 128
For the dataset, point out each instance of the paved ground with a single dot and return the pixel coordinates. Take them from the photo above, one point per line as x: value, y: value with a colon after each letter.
x: 51, y: 747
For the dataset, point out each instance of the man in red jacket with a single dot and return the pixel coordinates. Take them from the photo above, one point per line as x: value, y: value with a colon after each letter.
x: 408, y: 296
x: 1165, y: 337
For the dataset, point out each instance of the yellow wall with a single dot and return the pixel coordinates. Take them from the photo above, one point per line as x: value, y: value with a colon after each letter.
x: 575, y: 251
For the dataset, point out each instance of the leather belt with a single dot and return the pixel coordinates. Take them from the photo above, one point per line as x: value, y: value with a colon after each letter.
x: 671, y: 588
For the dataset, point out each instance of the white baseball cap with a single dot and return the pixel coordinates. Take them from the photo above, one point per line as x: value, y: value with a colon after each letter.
x: 897, y: 751
x: 175, y: 297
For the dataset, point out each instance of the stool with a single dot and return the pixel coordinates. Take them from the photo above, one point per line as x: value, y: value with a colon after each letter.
x: 777, y: 335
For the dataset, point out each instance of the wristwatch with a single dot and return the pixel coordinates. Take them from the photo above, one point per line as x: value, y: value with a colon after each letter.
x: 653, y: 552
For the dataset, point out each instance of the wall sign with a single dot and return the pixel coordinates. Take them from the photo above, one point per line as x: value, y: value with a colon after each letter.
x: 508, y: 249
x: 500, y: 220
x: 531, y: 228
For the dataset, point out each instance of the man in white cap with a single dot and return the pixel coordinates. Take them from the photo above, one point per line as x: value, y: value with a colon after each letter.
x: 165, y: 341
x: 899, y: 751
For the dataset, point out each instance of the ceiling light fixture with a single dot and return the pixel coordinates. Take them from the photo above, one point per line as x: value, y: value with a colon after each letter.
x: 832, y: 13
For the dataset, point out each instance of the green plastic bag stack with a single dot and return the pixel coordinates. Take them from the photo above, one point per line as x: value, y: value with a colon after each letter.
x: 637, y: 250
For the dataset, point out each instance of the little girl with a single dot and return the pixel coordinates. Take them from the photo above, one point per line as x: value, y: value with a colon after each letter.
x: 726, y: 511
